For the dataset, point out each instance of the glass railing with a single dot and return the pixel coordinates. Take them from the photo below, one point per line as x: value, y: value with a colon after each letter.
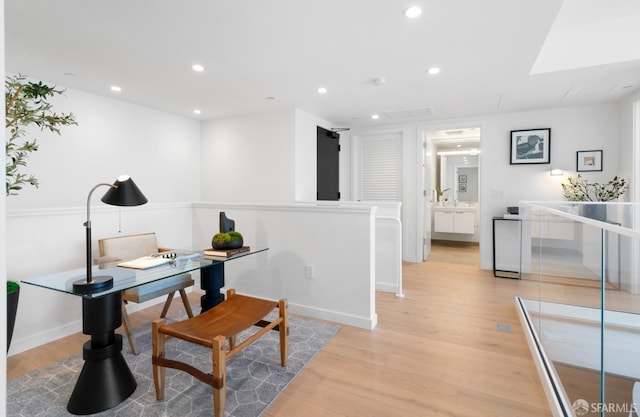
x: 580, y: 293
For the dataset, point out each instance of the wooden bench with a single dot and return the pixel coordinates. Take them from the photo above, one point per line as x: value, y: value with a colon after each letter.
x: 132, y: 247
x: 212, y: 329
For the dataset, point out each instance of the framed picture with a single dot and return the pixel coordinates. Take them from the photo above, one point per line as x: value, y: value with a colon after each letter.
x: 462, y: 178
x: 589, y: 161
x: 462, y: 187
x: 531, y: 146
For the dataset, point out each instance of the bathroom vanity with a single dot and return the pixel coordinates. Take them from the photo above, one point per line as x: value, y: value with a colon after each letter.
x: 454, y: 219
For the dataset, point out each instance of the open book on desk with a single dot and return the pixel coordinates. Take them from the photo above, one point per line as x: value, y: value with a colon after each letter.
x: 158, y: 259
x: 145, y: 262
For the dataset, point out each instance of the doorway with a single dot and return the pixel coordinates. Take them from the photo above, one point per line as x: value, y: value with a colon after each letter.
x: 452, y: 186
x: 328, y: 164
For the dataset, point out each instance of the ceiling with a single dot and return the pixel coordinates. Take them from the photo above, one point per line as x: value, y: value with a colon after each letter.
x: 460, y: 139
x: 260, y: 55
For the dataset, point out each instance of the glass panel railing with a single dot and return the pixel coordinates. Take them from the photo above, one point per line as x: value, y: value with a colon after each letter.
x: 581, y: 288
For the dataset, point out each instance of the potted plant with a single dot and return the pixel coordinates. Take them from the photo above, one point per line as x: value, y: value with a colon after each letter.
x: 13, y: 293
x: 440, y: 192
x: 580, y: 189
x: 26, y: 105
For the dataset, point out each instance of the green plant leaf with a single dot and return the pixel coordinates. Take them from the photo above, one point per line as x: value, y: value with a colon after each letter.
x: 26, y: 105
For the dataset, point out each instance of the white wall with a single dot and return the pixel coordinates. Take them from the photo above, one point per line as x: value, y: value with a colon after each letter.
x: 249, y: 159
x: 269, y: 158
x: 572, y: 129
x: 112, y: 138
x: 306, y: 155
x: 3, y: 256
x: 337, y: 241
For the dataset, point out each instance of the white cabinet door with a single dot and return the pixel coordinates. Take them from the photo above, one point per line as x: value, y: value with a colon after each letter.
x: 454, y: 222
x: 464, y: 222
x: 443, y: 221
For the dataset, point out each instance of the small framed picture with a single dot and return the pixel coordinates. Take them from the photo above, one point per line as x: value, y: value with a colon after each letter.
x: 462, y: 178
x: 531, y: 146
x: 589, y: 161
x: 462, y: 187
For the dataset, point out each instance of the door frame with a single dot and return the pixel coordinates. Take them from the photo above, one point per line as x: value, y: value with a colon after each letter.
x: 422, y: 188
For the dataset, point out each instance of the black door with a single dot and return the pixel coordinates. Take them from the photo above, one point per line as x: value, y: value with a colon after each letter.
x: 328, y: 165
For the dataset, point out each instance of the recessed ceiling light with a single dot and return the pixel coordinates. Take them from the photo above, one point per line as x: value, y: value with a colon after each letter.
x: 433, y: 70
x: 379, y: 81
x: 375, y: 116
x: 322, y: 90
x: 413, y: 12
x: 270, y: 98
x: 197, y: 67
x: 197, y: 111
x: 115, y: 88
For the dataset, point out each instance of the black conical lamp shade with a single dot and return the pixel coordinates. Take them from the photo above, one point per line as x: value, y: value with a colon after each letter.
x: 124, y: 192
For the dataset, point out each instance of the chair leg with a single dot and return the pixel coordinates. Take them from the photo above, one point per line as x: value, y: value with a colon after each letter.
x: 167, y: 304
x: 284, y: 332
x: 159, y: 372
x: 219, y: 357
x: 126, y: 324
x: 185, y: 301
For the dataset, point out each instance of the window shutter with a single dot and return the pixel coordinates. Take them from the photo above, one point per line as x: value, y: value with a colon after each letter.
x: 381, y: 169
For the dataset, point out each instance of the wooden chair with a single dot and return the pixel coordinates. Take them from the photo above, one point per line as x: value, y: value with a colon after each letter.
x: 136, y: 246
x: 211, y: 329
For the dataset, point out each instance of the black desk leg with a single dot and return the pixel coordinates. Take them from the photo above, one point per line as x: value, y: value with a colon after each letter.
x: 105, y: 380
x: 211, y: 281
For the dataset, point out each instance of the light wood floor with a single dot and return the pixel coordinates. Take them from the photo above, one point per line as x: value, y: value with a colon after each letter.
x: 435, y: 352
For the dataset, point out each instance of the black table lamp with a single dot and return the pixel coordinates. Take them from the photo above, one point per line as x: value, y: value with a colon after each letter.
x: 123, y: 192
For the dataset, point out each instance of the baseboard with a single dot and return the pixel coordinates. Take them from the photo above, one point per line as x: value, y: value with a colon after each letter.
x: 340, y: 318
x: 33, y: 341
x: 387, y: 287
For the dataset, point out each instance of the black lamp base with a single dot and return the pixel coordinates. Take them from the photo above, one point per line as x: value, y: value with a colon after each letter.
x: 100, y: 283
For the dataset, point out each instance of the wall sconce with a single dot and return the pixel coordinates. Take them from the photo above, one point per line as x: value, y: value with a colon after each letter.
x: 556, y: 172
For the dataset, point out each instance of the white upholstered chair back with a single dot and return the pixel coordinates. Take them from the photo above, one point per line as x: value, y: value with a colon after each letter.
x: 129, y: 247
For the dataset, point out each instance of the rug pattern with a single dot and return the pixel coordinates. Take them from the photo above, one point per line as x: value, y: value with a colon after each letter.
x: 254, y: 377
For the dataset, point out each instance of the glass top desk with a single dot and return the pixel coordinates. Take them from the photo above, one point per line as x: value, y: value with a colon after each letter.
x: 106, y: 380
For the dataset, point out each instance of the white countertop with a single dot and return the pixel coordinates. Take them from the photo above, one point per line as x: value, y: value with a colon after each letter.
x: 459, y: 208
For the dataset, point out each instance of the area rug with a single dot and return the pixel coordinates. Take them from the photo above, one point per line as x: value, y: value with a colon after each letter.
x: 254, y: 377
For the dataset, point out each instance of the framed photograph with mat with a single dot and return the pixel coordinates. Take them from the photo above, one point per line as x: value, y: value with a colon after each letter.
x: 532, y: 146
x: 589, y: 161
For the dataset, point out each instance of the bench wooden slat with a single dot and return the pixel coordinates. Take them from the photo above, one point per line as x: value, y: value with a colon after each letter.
x: 226, y: 319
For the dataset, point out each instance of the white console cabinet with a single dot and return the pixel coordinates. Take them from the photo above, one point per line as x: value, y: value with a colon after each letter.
x: 454, y: 221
